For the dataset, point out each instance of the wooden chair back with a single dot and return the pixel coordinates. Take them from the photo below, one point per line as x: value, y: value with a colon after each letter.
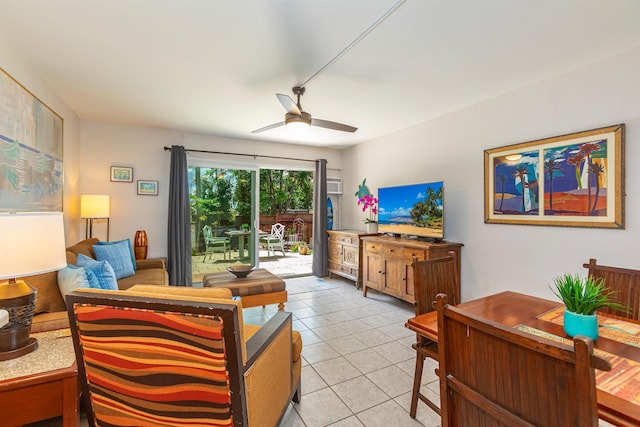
x: 625, y: 282
x: 493, y: 375
x: 432, y: 277
x: 152, y: 361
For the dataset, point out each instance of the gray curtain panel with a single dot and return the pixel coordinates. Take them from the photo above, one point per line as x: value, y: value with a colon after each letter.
x: 320, y: 266
x: 179, y: 236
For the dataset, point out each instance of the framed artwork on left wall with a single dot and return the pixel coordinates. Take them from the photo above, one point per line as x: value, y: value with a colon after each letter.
x: 31, y: 137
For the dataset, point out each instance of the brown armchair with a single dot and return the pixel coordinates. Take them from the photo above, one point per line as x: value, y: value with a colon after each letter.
x: 181, y: 356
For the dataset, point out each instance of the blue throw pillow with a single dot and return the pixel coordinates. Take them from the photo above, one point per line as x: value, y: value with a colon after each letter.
x: 72, y: 277
x: 133, y: 257
x: 118, y: 255
x: 102, y: 270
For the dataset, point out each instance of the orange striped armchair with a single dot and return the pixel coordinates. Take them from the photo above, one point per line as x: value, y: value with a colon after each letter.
x: 158, y: 355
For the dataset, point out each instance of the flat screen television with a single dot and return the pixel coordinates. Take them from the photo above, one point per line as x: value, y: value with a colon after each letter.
x: 414, y: 210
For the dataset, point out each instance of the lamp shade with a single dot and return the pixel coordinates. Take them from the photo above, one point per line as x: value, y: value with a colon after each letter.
x: 31, y: 243
x: 94, y: 206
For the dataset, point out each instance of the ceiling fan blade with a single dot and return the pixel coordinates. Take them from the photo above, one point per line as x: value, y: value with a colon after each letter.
x: 288, y: 104
x: 273, y: 126
x: 332, y: 125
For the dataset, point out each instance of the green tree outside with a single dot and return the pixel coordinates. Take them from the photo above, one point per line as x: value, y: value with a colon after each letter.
x: 222, y: 197
x: 283, y: 190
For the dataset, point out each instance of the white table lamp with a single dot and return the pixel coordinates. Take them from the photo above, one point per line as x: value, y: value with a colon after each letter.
x: 92, y: 207
x: 32, y: 243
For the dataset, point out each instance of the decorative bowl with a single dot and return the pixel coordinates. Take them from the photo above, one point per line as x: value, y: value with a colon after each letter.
x: 240, y: 271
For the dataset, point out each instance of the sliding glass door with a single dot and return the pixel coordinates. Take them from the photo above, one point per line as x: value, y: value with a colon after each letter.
x: 232, y: 204
x: 224, y: 210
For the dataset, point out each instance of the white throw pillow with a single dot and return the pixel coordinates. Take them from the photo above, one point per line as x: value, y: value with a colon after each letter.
x: 71, y: 278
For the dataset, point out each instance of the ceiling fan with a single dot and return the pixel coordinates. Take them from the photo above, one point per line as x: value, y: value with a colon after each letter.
x: 299, y: 120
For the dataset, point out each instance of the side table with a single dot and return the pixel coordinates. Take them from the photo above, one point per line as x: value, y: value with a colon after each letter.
x: 42, y: 384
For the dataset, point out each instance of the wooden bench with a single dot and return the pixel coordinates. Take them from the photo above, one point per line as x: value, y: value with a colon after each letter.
x: 624, y: 281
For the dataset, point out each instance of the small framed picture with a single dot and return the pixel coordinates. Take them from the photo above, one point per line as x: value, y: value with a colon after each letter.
x: 121, y: 174
x: 148, y: 188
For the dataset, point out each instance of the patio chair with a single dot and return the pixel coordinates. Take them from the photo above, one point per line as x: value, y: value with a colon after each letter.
x: 274, y: 240
x: 215, y: 244
x: 296, y: 234
x: 298, y: 224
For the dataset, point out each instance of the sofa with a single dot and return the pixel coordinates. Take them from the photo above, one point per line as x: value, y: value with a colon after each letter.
x: 50, y: 310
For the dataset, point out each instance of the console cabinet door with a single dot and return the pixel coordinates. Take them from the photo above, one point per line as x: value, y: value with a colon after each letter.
x: 335, y: 252
x: 335, y: 261
x: 373, y: 271
x: 392, y: 272
x: 373, y: 267
x: 408, y: 286
x: 393, y: 277
x: 350, y: 255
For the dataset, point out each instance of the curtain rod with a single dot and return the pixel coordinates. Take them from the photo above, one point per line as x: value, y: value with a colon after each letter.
x: 246, y: 155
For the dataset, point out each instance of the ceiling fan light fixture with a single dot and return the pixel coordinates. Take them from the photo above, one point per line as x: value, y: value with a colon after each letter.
x: 298, y: 124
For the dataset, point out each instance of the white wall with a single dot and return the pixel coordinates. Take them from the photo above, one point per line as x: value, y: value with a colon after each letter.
x: 450, y: 148
x: 10, y: 62
x: 107, y: 144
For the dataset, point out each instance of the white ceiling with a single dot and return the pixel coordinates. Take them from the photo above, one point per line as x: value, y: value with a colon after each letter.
x: 214, y: 66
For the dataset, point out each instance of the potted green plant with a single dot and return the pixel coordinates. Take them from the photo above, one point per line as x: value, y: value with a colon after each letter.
x: 582, y: 297
x: 303, y: 249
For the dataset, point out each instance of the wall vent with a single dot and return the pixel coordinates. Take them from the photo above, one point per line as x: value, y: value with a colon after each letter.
x: 334, y: 185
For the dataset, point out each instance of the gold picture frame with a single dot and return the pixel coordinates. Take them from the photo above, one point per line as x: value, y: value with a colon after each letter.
x: 573, y: 180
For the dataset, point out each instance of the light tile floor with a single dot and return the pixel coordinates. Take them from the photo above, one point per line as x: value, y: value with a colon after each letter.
x: 358, y: 364
x: 357, y: 359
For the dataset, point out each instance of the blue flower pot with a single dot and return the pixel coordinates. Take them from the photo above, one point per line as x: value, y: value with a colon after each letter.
x: 581, y: 324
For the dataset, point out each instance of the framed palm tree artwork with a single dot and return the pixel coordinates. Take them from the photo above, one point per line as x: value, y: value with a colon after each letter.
x: 574, y: 180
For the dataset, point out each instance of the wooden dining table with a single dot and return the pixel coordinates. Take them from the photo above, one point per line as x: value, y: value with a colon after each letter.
x: 618, y: 390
